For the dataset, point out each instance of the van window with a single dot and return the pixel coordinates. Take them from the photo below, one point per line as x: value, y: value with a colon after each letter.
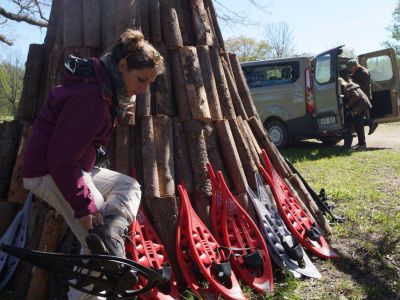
x: 380, y: 68
x: 323, y: 69
x: 268, y: 75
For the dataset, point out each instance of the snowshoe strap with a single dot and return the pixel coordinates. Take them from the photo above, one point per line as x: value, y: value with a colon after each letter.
x: 313, y: 233
x: 253, y: 260
x: 92, y: 274
x: 222, y: 271
x: 166, y: 274
x: 295, y: 252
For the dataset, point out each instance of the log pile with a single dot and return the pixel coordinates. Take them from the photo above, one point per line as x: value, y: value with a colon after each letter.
x: 199, y: 110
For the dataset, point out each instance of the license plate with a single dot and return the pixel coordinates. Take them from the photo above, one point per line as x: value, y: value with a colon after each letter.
x: 327, y: 120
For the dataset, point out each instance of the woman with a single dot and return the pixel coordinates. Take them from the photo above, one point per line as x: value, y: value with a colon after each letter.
x: 59, y: 161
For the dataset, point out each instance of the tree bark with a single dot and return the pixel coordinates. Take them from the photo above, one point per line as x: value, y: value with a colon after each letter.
x: 198, y: 156
x: 29, y: 96
x: 125, y: 15
x: 73, y: 23
x: 179, y: 87
x: 209, y: 82
x: 249, y: 140
x: 185, y: 22
x: 201, y: 23
x: 91, y: 24
x: 183, y: 167
x: 242, y: 87
x: 145, y: 18
x: 231, y: 156
x: 143, y: 104
x: 163, y: 137
x: 108, y: 24
x: 194, y: 84
x: 215, y: 25
x: 227, y: 109
x: 163, y: 91
x: 155, y: 22
x: 170, y: 24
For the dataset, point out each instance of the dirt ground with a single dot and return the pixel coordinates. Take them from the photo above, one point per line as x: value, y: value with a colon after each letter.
x: 386, y: 136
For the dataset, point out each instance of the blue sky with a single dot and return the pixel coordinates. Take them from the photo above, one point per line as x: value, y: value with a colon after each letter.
x: 316, y: 25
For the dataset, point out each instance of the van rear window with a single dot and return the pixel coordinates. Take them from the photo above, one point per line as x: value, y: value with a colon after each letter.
x: 273, y: 74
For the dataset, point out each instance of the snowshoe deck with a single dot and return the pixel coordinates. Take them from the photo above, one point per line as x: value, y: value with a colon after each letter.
x: 204, y: 264
x: 285, y: 250
x: 236, y: 230
x: 301, y: 226
x: 145, y: 247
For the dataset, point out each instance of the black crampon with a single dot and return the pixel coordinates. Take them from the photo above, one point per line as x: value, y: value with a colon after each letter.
x: 100, y: 275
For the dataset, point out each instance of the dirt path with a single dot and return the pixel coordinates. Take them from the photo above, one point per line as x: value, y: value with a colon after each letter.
x: 386, y: 136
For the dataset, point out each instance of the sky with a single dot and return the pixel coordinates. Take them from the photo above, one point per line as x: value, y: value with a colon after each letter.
x: 317, y: 25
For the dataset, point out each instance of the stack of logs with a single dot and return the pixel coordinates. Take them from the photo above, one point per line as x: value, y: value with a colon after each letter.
x: 199, y: 110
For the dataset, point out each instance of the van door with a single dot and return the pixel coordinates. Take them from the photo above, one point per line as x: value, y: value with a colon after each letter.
x: 382, y: 66
x: 327, y: 101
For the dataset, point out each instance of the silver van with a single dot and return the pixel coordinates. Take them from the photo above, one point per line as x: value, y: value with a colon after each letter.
x: 299, y: 98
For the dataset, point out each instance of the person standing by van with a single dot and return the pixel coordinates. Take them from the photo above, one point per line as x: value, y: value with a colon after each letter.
x: 356, y: 106
x: 360, y: 75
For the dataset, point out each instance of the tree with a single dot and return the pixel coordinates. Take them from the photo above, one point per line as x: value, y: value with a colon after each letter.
x: 280, y: 38
x: 248, y: 49
x: 228, y: 16
x: 394, y: 29
x: 33, y: 12
x: 11, y: 82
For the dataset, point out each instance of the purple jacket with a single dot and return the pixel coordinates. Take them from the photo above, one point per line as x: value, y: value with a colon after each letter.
x: 75, y: 118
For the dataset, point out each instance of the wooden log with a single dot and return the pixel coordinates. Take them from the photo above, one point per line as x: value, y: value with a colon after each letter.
x: 170, y: 24
x: 56, y: 65
x: 108, y: 37
x: 269, y: 147
x: 209, y: 82
x: 249, y: 166
x: 73, y: 23
x: 185, y: 22
x: 164, y: 104
x: 202, y: 206
x: 195, y: 139
x: 253, y: 150
x: 237, y: 102
x: 231, y: 156
x: 310, y: 204
x: 124, y: 15
x: 51, y: 31
x: 150, y: 172
x: 164, y: 217
x: 91, y: 24
x: 9, y: 139
x: 242, y: 86
x: 217, y: 30
x: 17, y: 193
x: 143, y: 104
x: 122, y: 149
x: 22, y: 276
x: 130, y: 120
x: 253, y: 138
x: 243, y: 200
x: 228, y: 111
x: 48, y: 242
x: 201, y: 23
x: 179, y: 87
x: 183, y: 167
x: 194, y: 84
x: 145, y: 18
x: 214, y: 151
x: 33, y: 69
x: 7, y: 213
x: 163, y: 137
x: 155, y: 22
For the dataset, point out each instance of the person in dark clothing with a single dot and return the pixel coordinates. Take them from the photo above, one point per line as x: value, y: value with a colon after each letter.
x: 360, y: 75
x: 59, y: 164
x: 356, y: 106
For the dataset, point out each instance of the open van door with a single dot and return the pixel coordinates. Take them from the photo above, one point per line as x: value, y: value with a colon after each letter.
x: 327, y: 101
x: 382, y: 66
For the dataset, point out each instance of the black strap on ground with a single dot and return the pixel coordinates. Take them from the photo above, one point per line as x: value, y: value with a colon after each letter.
x: 100, y: 275
x: 321, y: 204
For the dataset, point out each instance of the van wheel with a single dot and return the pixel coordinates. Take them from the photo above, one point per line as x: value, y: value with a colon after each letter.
x: 278, y: 133
x: 330, y: 140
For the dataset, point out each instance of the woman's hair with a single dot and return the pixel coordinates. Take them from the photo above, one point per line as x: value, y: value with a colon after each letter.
x: 138, y: 52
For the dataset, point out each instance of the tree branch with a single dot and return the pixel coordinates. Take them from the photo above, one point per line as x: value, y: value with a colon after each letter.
x: 4, y: 40
x: 22, y: 18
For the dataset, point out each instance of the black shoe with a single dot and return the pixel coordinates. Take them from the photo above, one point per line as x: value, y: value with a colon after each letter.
x: 345, y: 148
x: 372, y: 128
x: 109, y: 239
x: 360, y: 147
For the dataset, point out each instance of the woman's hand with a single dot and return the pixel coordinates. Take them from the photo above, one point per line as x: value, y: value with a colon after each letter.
x: 90, y: 220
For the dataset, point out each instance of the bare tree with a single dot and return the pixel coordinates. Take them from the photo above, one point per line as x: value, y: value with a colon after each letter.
x: 33, y: 12
x: 230, y: 16
x: 248, y: 49
x: 280, y: 38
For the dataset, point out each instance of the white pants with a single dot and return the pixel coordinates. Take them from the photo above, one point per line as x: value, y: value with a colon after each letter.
x: 113, y: 192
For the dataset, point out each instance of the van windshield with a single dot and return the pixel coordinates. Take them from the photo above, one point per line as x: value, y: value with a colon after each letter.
x: 271, y: 74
